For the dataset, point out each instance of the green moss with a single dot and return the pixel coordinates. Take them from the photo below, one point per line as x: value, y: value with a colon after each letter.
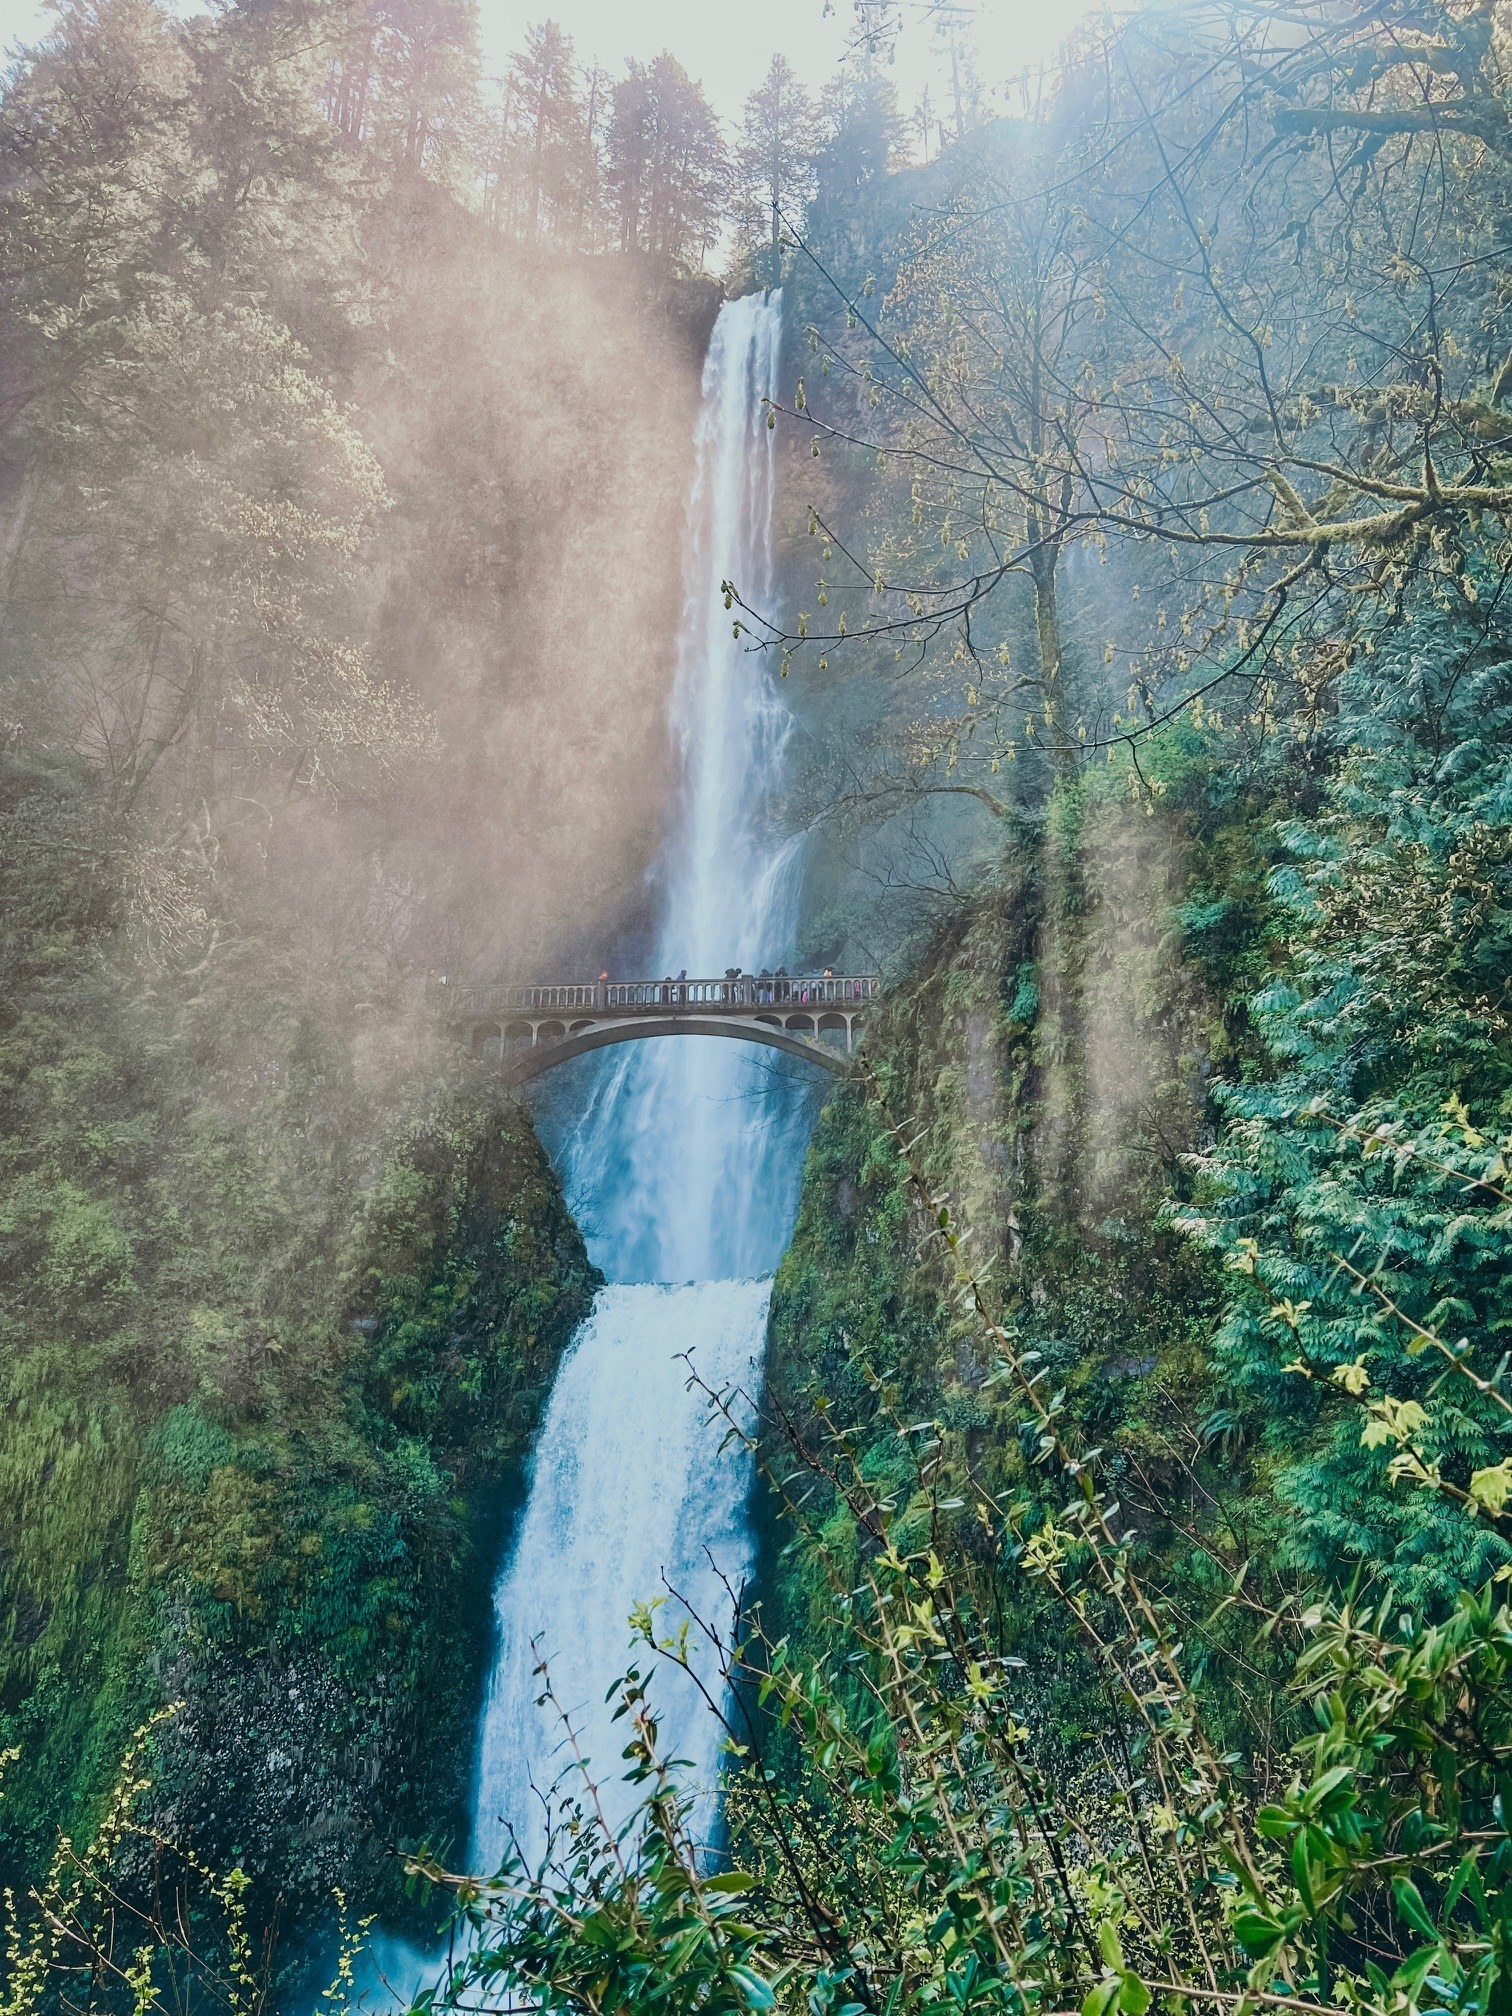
x: 1111, y: 1065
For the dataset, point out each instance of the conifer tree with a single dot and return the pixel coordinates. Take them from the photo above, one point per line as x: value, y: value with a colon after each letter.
x: 428, y: 116
x: 548, y: 144
x: 775, y: 164
x: 667, y: 173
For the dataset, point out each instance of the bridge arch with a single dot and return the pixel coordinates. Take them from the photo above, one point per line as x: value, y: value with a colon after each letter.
x: 526, y: 1030
x: 770, y: 1034
x: 484, y: 1033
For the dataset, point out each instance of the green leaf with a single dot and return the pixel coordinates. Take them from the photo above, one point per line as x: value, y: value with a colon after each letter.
x: 1103, y: 1997
x: 1302, y: 1875
x: 1340, y: 1774
x: 758, y: 1993
x: 1133, y: 1996
x: 1491, y: 1489
x: 1456, y: 1888
x: 1409, y: 1902
x: 1257, y: 1932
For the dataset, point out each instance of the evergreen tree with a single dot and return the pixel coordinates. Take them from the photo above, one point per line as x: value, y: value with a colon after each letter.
x: 349, y: 76
x: 190, y: 500
x: 93, y: 167
x: 968, y: 106
x: 1343, y: 1188
x: 427, y: 120
x: 863, y: 134
x: 594, y: 223
x: 666, y: 171
x: 547, y: 171
x: 775, y: 166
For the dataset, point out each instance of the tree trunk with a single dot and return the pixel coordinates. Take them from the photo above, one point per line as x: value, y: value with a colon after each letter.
x: 18, y: 519
x: 1043, y: 562
x: 537, y: 170
x: 204, y: 696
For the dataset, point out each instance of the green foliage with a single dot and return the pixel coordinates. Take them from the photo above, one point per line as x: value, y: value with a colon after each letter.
x: 920, y: 1858
x: 652, y: 1928
x: 144, y: 1918
x: 274, y: 1330
x: 1342, y: 1189
x: 1062, y: 1179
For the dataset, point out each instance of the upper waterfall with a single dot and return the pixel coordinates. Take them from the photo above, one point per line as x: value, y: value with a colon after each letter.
x: 682, y: 1164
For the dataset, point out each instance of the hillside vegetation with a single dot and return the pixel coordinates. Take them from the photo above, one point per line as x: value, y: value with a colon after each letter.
x: 283, y: 1280
x: 1132, y: 1625
x: 285, y: 1286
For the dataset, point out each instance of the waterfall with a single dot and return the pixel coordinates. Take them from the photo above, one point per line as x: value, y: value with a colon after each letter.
x: 629, y: 1488
x: 682, y: 1167
x: 674, y: 1167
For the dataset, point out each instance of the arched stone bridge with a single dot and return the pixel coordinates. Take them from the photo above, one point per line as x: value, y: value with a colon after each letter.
x: 529, y: 1029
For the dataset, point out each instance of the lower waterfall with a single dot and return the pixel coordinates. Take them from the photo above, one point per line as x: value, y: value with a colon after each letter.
x: 630, y: 1496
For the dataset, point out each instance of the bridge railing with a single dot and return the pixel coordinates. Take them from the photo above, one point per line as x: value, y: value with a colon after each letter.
x: 581, y: 995
x: 729, y: 994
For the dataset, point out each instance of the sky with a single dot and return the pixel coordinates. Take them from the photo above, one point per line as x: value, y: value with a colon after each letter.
x: 727, y: 44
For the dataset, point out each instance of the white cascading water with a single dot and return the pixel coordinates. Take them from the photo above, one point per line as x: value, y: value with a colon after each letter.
x: 682, y: 1166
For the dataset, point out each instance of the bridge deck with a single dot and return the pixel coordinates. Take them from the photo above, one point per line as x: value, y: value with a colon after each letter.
x: 729, y: 995
x: 527, y: 1029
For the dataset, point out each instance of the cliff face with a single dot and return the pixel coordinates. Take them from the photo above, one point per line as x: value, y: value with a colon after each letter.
x: 1048, y: 1055
x: 285, y: 1281
x: 329, y: 1639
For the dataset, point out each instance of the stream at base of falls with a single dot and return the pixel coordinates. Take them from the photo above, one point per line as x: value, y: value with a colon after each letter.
x: 681, y: 1161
